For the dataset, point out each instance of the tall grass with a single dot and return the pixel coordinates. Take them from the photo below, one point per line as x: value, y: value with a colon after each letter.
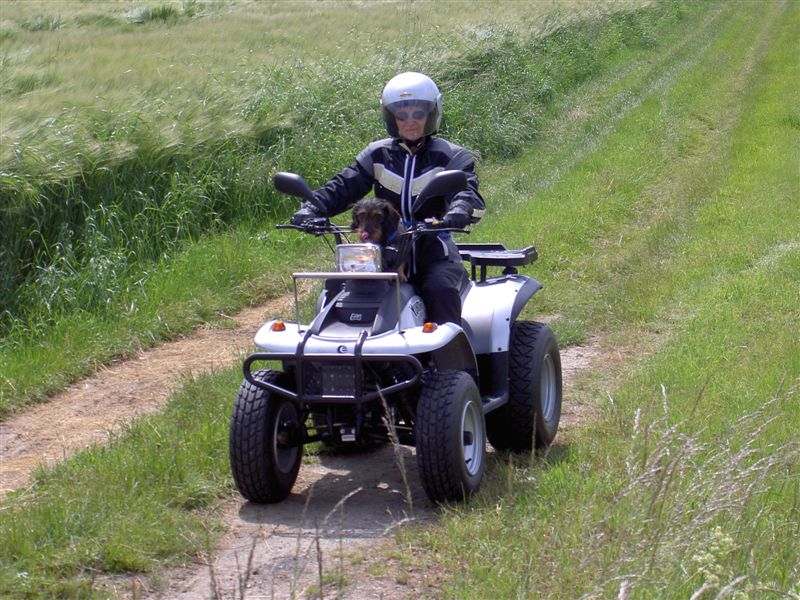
x: 86, y: 230
x: 145, y: 101
x: 163, y: 173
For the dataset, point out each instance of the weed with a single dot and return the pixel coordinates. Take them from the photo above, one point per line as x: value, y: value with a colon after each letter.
x: 41, y: 23
x: 686, y: 503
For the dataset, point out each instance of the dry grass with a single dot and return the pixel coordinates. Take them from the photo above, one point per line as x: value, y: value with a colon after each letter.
x: 688, y: 499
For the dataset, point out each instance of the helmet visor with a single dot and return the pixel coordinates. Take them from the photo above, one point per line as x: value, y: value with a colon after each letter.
x: 411, y: 109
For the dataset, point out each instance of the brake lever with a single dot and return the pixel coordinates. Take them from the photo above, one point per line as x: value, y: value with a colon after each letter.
x: 434, y: 224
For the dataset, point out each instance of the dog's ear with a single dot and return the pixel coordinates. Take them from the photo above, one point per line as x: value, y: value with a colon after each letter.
x: 356, y: 215
x: 391, y: 218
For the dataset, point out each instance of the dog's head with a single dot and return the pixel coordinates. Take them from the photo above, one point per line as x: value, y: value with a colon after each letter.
x: 374, y: 220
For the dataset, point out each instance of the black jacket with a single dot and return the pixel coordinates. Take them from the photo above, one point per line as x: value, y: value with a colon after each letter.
x: 398, y: 175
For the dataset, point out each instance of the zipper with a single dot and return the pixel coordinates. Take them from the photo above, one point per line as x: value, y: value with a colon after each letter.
x: 405, y: 201
x: 408, y: 184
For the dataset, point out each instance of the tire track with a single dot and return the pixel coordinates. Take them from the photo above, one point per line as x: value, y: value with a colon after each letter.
x: 342, y: 510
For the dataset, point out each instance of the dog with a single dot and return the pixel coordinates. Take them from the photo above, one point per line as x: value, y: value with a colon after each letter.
x: 376, y: 221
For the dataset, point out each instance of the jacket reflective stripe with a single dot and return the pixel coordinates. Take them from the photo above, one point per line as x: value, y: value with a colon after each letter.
x: 394, y: 182
x: 391, y: 181
x: 421, y: 181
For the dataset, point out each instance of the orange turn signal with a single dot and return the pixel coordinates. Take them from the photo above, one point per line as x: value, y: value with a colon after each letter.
x: 278, y: 326
x: 429, y: 327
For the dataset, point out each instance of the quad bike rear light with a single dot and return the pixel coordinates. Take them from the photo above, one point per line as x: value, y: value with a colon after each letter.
x: 358, y: 258
x: 429, y: 327
x: 278, y: 326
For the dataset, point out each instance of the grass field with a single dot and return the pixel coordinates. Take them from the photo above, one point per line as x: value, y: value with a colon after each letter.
x: 94, y: 214
x: 685, y: 223
x: 661, y: 187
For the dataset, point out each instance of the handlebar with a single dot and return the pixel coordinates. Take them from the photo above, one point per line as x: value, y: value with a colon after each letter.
x: 322, y: 225
x: 317, y: 226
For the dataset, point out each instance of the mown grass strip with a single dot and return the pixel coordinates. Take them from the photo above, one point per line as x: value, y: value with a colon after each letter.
x: 688, y: 483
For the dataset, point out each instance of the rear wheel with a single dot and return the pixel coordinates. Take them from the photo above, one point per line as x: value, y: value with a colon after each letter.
x: 450, y: 435
x: 265, y: 446
x: 530, y: 418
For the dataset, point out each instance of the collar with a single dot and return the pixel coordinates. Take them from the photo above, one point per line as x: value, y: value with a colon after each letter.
x: 415, y: 147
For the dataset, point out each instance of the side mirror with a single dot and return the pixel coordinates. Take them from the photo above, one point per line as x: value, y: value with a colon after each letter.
x: 292, y: 184
x: 430, y: 201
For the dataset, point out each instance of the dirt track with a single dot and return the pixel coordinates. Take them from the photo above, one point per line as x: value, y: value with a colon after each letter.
x: 342, y: 508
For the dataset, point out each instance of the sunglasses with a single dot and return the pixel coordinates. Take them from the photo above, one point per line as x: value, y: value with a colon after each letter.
x: 416, y: 115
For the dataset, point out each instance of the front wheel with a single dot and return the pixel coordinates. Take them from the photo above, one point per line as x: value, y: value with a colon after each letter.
x: 450, y: 434
x: 530, y: 417
x: 265, y: 446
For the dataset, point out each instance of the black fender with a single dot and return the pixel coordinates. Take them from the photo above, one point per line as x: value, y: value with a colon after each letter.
x: 526, y: 292
x: 457, y: 355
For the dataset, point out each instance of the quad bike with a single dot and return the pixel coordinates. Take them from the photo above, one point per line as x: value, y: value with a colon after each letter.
x: 369, y: 366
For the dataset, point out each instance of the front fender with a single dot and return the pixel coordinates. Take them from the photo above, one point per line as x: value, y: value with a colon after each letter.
x: 457, y: 354
x: 448, y: 344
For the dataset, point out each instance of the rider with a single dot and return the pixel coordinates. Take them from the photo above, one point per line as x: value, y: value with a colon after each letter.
x: 398, y: 168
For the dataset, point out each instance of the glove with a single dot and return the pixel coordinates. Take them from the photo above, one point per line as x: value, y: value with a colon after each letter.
x: 455, y: 219
x: 307, y: 212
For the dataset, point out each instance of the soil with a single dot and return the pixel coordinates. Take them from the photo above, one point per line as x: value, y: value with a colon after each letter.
x: 332, y: 534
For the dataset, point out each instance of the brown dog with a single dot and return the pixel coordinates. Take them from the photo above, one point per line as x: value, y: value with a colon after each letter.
x: 375, y: 220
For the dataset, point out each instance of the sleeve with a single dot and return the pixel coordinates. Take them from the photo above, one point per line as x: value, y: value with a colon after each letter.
x: 468, y: 201
x: 348, y: 186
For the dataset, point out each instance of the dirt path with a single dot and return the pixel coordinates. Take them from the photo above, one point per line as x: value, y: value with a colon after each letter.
x: 338, y: 522
x: 87, y: 411
x: 341, y: 511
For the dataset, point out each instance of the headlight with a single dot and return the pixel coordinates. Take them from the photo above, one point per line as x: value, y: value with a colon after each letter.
x: 358, y: 258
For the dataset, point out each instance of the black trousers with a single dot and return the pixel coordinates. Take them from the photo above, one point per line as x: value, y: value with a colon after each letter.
x: 439, y: 283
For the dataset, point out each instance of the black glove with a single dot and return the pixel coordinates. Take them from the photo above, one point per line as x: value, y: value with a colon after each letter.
x: 455, y: 219
x: 306, y: 213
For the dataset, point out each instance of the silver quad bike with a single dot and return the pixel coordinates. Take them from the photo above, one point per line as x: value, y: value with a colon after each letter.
x: 369, y: 367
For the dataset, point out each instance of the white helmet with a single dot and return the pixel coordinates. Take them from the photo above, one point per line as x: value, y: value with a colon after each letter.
x: 411, y: 89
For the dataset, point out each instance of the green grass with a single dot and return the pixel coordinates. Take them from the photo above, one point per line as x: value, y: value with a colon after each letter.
x: 159, y: 478
x: 686, y: 224
x: 86, y: 231
x: 214, y: 277
x: 662, y: 194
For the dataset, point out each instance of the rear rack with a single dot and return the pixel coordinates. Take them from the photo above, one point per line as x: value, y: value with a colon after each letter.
x: 495, y: 255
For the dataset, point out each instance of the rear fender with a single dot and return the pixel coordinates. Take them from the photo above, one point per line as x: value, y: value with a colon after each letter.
x: 490, y: 307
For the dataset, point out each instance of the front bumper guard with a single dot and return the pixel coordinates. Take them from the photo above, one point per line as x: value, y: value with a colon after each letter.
x: 357, y: 360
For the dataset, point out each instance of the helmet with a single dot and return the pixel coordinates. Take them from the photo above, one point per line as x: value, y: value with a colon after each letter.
x: 411, y: 89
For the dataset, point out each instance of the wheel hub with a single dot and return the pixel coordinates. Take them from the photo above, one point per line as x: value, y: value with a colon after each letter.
x: 548, y: 388
x: 473, y: 441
